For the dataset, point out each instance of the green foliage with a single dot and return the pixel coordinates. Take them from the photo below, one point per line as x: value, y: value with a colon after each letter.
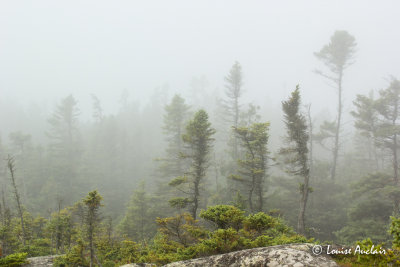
x: 372, y: 198
x: 395, y: 231
x: 366, y: 115
x: 175, y: 118
x: 179, y: 229
x: 224, y: 216
x: 198, y: 141
x: 296, y: 151
x: 253, y: 167
x: 74, y: 257
x: 14, y: 260
x: 338, y: 54
x: 179, y: 202
x: 220, y: 241
x: 182, y: 238
x: 61, y: 229
x: 178, y: 181
x: 239, y: 201
x: 129, y: 252
x: 378, y: 255
x: 259, y: 222
x: 138, y: 223
x: 38, y: 247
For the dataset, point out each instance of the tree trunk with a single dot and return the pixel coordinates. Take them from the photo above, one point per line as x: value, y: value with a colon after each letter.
x: 310, y: 126
x: 236, y: 122
x: 337, y: 132
x: 196, y: 198
x: 11, y: 167
x: 91, y: 245
x: 303, y: 203
x: 250, y: 199
x: 260, y: 198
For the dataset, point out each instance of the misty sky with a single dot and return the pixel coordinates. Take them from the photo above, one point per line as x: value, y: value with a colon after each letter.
x: 49, y: 49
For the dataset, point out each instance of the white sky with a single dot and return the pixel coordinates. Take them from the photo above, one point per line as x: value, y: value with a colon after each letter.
x: 49, y: 49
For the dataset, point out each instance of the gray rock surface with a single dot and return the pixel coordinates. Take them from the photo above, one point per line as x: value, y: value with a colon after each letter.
x: 293, y: 255
x: 139, y: 265
x: 41, y: 261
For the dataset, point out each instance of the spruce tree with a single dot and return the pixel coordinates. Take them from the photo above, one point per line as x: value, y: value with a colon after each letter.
x: 92, y: 219
x: 139, y: 221
x: 296, y: 151
x: 175, y: 118
x: 388, y: 106
x: 366, y: 122
x: 253, y: 167
x: 198, y: 143
x: 64, y: 146
x: 234, y: 90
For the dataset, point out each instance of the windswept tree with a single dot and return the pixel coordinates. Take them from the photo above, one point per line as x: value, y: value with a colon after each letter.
x: 296, y: 151
x: 253, y: 167
x: 337, y: 56
x: 198, y: 142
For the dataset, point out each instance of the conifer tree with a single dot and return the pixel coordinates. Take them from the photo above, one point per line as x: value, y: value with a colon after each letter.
x: 17, y: 197
x: 337, y: 56
x: 92, y: 219
x: 367, y: 122
x: 198, y: 143
x: 139, y: 221
x: 234, y: 90
x: 296, y: 151
x: 175, y: 118
x: 253, y: 167
x: 388, y: 106
x: 64, y: 146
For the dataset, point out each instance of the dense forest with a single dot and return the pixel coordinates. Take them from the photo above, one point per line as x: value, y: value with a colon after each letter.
x: 181, y: 178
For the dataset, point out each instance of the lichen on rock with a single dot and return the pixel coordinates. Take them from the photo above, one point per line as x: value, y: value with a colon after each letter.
x: 293, y: 255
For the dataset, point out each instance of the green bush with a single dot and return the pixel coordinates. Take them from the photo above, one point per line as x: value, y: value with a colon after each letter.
x: 223, y: 216
x: 259, y: 222
x: 182, y: 238
x: 14, y: 260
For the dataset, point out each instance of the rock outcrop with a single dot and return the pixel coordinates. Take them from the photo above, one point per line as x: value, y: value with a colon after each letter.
x: 41, y: 261
x: 293, y: 255
x: 139, y: 265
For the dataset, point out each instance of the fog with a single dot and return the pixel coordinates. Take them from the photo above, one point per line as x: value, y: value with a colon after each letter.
x: 51, y: 49
x: 134, y: 56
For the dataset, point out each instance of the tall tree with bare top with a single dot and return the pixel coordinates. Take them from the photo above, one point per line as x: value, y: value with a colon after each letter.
x: 337, y: 56
x: 17, y: 197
